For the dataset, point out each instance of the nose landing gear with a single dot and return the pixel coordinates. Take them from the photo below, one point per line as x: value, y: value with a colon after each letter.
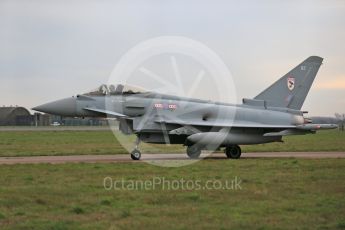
x: 136, y: 154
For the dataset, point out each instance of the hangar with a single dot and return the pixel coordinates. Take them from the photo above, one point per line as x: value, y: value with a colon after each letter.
x: 15, y: 116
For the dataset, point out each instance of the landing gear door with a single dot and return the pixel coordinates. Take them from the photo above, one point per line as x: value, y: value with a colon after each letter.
x: 126, y: 126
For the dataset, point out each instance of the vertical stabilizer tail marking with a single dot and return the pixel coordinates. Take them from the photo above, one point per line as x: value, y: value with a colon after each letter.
x: 291, y: 90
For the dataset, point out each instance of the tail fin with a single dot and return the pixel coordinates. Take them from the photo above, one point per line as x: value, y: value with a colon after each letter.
x: 291, y: 90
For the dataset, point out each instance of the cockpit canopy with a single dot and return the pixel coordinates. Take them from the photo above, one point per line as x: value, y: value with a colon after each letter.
x: 118, y: 89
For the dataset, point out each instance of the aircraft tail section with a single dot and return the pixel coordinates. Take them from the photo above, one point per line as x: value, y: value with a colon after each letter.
x: 291, y: 90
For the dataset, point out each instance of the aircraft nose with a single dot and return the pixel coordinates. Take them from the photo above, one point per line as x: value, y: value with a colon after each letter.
x: 63, y: 107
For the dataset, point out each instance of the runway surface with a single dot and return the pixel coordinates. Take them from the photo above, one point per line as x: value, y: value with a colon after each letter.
x: 156, y: 157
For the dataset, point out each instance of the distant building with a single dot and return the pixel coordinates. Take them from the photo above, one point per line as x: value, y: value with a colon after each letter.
x: 15, y: 116
x: 19, y: 116
x: 42, y: 119
x: 48, y: 119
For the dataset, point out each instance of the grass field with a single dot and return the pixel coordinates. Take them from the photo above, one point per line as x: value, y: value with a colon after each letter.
x: 24, y: 143
x: 274, y: 194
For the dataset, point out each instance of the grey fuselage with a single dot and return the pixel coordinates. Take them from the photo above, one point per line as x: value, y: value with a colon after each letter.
x: 153, y: 116
x: 159, y: 118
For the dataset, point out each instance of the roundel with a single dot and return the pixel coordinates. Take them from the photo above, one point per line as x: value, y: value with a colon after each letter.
x: 291, y: 83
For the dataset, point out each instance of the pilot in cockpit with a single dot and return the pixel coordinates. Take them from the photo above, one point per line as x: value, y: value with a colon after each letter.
x: 119, y: 89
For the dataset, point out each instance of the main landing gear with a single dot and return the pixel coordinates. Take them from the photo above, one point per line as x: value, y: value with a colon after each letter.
x: 233, y: 151
x: 193, y: 151
x: 136, y: 154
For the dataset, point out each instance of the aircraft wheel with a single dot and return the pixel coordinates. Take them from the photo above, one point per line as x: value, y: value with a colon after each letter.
x: 193, y: 151
x: 135, y: 154
x: 233, y: 151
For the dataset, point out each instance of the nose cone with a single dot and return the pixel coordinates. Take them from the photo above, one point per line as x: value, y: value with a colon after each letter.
x: 63, y: 107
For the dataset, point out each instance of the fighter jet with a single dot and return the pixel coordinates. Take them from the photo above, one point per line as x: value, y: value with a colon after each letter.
x: 201, y: 124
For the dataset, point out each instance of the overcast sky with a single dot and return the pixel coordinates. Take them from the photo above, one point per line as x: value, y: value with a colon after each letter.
x: 54, y: 49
